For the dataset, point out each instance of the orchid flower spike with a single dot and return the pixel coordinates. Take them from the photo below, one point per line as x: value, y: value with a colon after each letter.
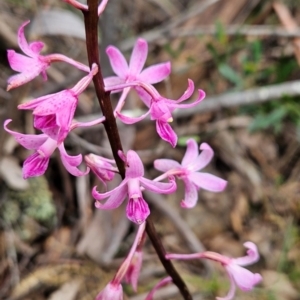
x: 44, y: 145
x: 137, y: 208
x: 32, y: 64
x: 160, y: 109
x: 133, y: 72
x: 58, y: 109
x: 187, y: 171
x: 239, y: 276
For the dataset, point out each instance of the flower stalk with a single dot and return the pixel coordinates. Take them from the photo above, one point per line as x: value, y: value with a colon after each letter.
x: 110, y: 125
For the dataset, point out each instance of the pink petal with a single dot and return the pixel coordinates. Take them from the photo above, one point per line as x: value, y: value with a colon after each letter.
x: 35, y: 165
x: 51, y: 132
x: 191, y: 153
x: 113, y: 80
x: 114, y: 194
x: 23, y: 42
x: 32, y: 104
x: 244, y: 279
x: 100, y: 166
x: 166, y: 132
x: 131, y: 120
x: 160, y: 284
x: 203, y: 159
x: 165, y: 165
x: 188, y: 93
x: 201, y: 96
x: 138, y: 57
x: 117, y: 61
x: 208, y: 182
x: 19, y: 62
x: 190, y: 194
x: 252, y: 255
x: 111, y: 292
x: 137, y: 210
x: 145, y: 97
x: 155, y: 73
x: 231, y: 292
x: 135, y: 166
x: 159, y: 187
x: 43, y: 122
x: 71, y: 162
x: 117, y: 196
x: 134, y: 269
x: 28, y: 141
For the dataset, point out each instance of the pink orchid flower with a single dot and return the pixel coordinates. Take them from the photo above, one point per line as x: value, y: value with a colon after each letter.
x: 137, y: 208
x: 44, y: 145
x: 187, y: 171
x: 58, y: 109
x: 33, y: 64
x: 133, y: 71
x: 239, y: 276
x: 160, y: 109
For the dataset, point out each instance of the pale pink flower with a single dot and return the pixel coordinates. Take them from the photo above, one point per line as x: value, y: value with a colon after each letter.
x: 32, y: 64
x: 137, y: 208
x: 29, y: 66
x: 160, y: 109
x: 133, y: 71
x: 239, y: 276
x: 187, y: 171
x: 44, y: 145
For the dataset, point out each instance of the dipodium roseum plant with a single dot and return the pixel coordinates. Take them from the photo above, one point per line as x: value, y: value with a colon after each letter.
x: 53, y: 116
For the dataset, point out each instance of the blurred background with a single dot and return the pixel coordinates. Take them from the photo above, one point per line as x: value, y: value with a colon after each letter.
x: 245, y: 54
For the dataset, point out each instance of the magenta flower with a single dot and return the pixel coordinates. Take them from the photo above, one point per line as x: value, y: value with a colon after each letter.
x: 112, y: 291
x: 137, y: 208
x: 133, y: 71
x: 44, y: 145
x: 29, y: 66
x: 101, y: 166
x: 238, y: 275
x: 187, y: 171
x: 160, y: 109
x: 57, y: 110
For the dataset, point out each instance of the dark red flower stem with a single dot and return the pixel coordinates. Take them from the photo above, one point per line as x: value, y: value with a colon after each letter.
x: 110, y: 125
